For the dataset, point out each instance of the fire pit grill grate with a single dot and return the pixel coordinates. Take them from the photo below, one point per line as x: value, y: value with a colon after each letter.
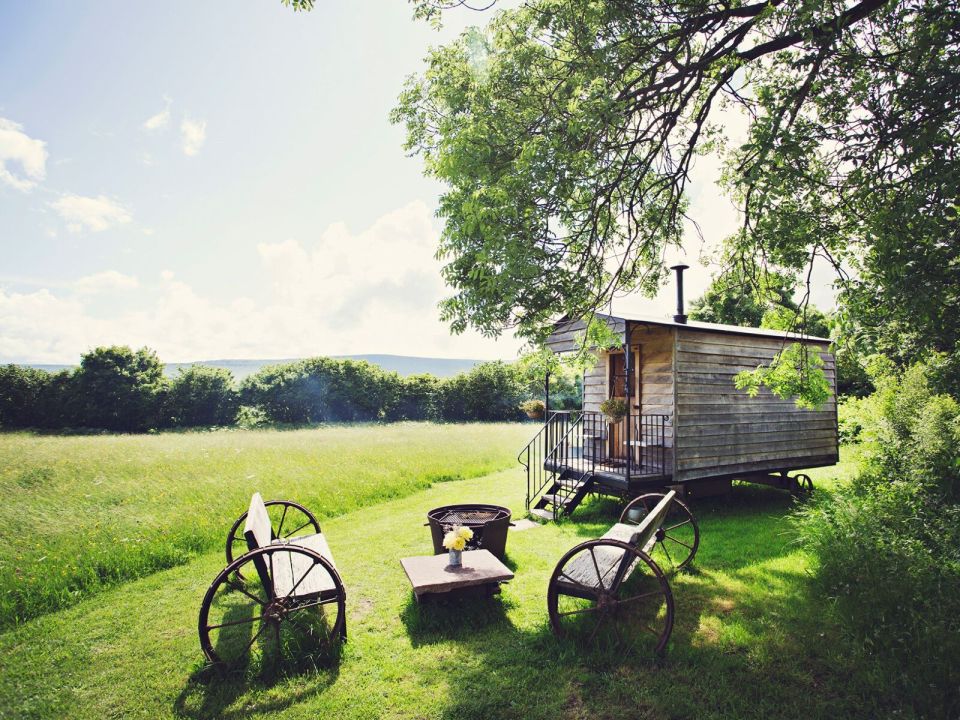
x: 488, y: 522
x: 470, y: 517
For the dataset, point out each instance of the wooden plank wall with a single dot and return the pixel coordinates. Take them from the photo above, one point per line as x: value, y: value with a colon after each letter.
x: 567, y: 336
x: 656, y: 372
x: 655, y: 375
x: 595, y: 385
x: 721, y: 430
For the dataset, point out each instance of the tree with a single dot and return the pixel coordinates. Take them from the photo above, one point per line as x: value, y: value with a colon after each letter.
x: 415, y: 398
x: 565, y: 379
x: 201, y: 395
x: 119, y: 389
x: 20, y: 391
x: 491, y: 391
x: 808, y: 320
x: 736, y: 297
x: 565, y: 133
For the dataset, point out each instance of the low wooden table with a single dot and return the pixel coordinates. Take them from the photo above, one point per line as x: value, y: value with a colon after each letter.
x: 430, y: 574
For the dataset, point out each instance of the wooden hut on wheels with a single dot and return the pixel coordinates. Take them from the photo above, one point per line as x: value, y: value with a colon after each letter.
x: 686, y: 425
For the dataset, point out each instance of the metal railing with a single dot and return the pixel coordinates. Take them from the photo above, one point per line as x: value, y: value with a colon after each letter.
x: 534, y: 456
x: 649, y: 453
x: 585, y: 442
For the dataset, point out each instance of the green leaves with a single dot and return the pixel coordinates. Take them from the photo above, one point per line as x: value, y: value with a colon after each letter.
x: 795, y: 372
x: 516, y: 121
x: 565, y: 132
x: 299, y: 5
x: 743, y: 295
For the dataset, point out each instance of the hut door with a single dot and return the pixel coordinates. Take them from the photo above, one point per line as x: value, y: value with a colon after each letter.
x: 618, y: 382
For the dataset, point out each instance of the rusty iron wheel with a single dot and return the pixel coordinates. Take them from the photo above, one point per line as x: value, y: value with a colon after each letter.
x: 287, y: 519
x: 596, y: 608
x: 244, y: 624
x: 678, y: 538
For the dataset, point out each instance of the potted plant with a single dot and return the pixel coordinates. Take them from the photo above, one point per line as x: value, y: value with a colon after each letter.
x: 534, y: 409
x: 455, y: 541
x: 615, y: 409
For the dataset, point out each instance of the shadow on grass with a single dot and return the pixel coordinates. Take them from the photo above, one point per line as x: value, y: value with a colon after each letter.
x: 210, y: 693
x: 739, y: 529
x: 724, y: 660
x: 751, y: 639
x: 212, y: 690
x: 459, y: 616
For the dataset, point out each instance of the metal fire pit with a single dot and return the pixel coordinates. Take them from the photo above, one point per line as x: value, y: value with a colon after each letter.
x: 489, y: 523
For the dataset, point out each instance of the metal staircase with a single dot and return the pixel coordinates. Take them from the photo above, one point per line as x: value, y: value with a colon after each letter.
x: 559, y: 474
x: 564, y: 495
x: 577, y: 452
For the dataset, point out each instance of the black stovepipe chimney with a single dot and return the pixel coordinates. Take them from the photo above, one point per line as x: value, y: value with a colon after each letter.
x: 680, y: 317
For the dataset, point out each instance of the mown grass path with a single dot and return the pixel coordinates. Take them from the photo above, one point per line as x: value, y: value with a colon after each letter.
x: 87, y: 512
x: 750, y: 639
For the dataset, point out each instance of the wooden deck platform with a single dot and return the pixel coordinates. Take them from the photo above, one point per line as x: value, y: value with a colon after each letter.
x: 614, y: 477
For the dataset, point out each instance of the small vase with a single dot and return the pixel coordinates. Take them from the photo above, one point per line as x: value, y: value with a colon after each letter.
x: 455, y: 558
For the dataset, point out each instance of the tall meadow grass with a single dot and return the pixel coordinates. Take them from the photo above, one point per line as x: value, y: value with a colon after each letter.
x: 82, y: 513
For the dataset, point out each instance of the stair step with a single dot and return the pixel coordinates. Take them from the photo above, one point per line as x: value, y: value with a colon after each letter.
x: 541, y: 513
x: 556, y: 500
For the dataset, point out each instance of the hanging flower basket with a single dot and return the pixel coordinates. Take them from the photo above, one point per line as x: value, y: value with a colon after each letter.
x: 534, y: 409
x: 615, y: 409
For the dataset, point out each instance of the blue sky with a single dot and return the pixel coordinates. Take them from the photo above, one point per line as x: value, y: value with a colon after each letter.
x: 221, y: 180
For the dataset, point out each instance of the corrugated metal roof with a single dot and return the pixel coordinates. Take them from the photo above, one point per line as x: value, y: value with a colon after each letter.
x: 713, y: 327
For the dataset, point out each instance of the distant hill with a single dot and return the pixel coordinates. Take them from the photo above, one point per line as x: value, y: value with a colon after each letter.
x: 402, y: 364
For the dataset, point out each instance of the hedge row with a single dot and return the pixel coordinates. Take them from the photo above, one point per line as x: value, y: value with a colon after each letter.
x: 888, y: 543
x: 119, y: 389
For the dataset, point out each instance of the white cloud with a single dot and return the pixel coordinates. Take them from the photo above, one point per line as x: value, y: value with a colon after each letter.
x: 19, y: 149
x: 94, y: 214
x: 106, y: 281
x: 194, y: 135
x: 42, y: 326
x: 160, y: 120
x: 374, y: 291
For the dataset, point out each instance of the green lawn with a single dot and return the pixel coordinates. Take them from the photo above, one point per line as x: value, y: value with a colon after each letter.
x: 83, y: 513
x: 750, y: 639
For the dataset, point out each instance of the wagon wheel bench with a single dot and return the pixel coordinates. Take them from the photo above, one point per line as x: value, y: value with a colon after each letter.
x: 611, y: 592
x: 279, y: 596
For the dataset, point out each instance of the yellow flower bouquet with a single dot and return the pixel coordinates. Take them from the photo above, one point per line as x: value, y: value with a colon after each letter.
x: 456, y: 541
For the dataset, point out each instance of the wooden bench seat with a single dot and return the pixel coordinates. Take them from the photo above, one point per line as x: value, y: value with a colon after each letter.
x: 287, y: 573
x: 610, y: 591
x: 289, y: 568
x: 606, y: 559
x: 280, y: 599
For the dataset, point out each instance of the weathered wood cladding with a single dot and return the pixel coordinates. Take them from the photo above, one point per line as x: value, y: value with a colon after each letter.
x: 655, y: 375
x: 567, y: 336
x: 595, y: 385
x: 713, y: 430
x: 723, y: 431
x: 653, y: 354
x: 655, y: 372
